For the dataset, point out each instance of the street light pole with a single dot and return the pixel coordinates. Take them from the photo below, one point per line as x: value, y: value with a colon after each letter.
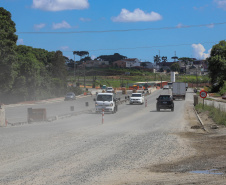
x: 74, y: 66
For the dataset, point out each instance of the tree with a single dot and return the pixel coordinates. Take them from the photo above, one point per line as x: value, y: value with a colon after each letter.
x: 85, y: 59
x: 175, y: 67
x: 59, y: 73
x: 29, y: 79
x: 80, y: 53
x: 112, y: 58
x: 143, y: 64
x: 217, y: 65
x: 186, y: 61
x: 8, y: 41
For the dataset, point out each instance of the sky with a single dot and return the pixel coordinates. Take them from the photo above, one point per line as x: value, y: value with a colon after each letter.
x: 134, y: 28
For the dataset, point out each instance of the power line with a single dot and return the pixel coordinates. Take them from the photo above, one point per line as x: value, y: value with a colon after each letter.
x: 148, y: 47
x: 126, y: 30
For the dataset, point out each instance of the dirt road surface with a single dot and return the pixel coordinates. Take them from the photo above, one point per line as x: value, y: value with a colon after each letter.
x: 120, y: 152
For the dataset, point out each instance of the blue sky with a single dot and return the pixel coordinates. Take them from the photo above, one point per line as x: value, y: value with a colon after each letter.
x: 171, y: 25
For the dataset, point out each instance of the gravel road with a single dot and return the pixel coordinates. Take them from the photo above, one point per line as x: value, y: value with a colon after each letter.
x: 82, y: 150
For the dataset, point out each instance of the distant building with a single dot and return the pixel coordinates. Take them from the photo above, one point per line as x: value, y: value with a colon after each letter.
x: 127, y: 63
x: 165, y: 66
x: 96, y: 63
x: 147, y: 65
x: 119, y: 63
x: 132, y: 62
x: 199, y: 67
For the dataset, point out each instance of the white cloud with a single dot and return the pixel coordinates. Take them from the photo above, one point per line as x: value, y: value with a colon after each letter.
x: 199, y: 51
x: 179, y: 25
x: 39, y: 26
x: 136, y: 16
x: 63, y: 24
x: 210, y: 25
x: 20, y: 42
x: 221, y: 4
x: 200, y: 8
x: 60, y: 5
x: 93, y: 57
x: 64, y: 48
x: 85, y: 19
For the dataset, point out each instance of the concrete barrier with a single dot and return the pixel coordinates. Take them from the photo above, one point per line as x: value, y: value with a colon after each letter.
x: 2, y: 116
x: 36, y: 115
x: 197, y: 100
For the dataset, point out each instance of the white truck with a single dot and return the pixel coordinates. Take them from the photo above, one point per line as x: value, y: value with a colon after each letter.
x: 179, y: 90
x: 137, y: 98
x: 106, y: 102
x: 110, y: 90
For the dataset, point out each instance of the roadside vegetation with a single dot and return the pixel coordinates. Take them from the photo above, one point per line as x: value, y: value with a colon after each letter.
x: 218, y: 115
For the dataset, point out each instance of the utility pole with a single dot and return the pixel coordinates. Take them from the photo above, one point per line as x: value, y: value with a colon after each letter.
x: 85, y: 76
x: 74, y: 66
x: 196, y: 78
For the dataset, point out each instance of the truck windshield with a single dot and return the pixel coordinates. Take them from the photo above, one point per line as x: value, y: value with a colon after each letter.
x: 104, y: 98
x: 136, y: 95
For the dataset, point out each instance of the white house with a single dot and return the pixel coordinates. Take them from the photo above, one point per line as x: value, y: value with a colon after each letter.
x: 132, y: 62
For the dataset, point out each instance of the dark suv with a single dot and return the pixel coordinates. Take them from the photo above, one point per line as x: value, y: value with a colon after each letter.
x: 165, y: 102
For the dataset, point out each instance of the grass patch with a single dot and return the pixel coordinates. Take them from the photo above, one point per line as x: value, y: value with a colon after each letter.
x: 218, y: 116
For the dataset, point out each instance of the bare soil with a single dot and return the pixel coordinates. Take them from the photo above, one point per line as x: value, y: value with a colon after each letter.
x: 209, y: 141
x: 210, y: 147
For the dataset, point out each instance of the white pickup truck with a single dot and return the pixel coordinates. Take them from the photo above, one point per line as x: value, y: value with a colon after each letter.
x: 137, y: 98
x: 110, y: 90
x: 106, y: 102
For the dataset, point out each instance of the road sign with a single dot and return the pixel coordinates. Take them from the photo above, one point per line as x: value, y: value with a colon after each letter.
x: 203, y: 94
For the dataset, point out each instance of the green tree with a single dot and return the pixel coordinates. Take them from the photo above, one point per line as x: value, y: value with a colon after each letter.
x: 112, y: 58
x: 8, y: 41
x: 59, y: 73
x: 27, y: 85
x: 217, y: 65
x: 143, y: 64
x: 175, y: 67
x: 85, y: 59
x: 186, y: 61
x: 81, y: 53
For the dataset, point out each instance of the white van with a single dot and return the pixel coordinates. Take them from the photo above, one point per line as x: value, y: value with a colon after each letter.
x: 106, y: 102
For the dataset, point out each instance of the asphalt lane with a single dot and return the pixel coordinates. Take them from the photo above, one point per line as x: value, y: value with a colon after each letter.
x: 82, y: 150
x: 17, y: 113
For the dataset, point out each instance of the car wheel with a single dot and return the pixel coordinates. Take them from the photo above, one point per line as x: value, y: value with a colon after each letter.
x: 158, y: 109
x: 172, y: 109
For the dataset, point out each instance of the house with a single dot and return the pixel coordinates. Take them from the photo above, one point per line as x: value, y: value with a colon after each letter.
x: 165, y: 66
x: 199, y: 67
x: 147, y: 65
x: 96, y: 63
x: 132, y: 62
x: 119, y: 63
x: 127, y: 63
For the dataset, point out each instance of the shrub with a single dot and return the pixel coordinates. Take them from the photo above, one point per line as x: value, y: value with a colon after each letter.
x: 218, y: 115
x: 223, y: 89
x: 76, y: 90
